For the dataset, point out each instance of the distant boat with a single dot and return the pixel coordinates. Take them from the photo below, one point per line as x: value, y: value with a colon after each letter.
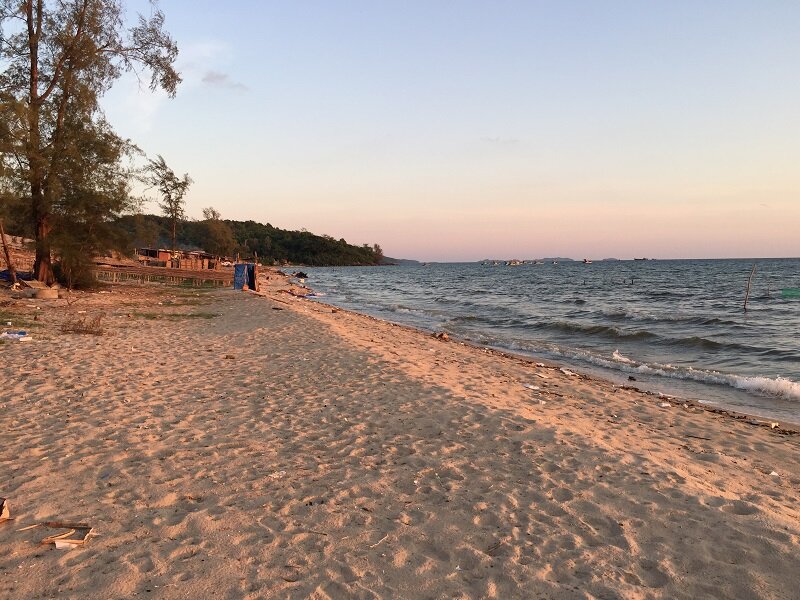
x: 586, y: 261
x: 514, y: 263
x: 641, y: 259
x: 555, y: 262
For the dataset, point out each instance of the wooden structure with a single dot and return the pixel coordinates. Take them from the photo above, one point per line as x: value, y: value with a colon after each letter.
x: 195, y: 260
x: 199, y: 278
x: 19, y: 251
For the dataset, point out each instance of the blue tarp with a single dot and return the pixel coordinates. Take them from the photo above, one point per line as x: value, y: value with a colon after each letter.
x: 5, y: 275
x: 244, y: 274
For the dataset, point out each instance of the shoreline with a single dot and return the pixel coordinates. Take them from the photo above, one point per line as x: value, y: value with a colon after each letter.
x: 243, y: 445
x: 788, y: 427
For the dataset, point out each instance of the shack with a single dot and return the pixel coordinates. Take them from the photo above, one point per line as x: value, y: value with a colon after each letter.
x: 194, y: 260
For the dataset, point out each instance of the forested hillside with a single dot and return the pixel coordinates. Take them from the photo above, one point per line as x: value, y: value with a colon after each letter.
x: 249, y: 239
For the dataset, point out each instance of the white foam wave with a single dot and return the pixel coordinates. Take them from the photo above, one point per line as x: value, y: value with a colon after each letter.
x: 778, y: 386
x: 617, y: 356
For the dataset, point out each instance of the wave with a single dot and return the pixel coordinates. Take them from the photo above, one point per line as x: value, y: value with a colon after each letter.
x: 648, y: 317
x: 465, y: 319
x: 617, y: 356
x: 778, y: 386
x: 644, y: 335
x: 595, y: 330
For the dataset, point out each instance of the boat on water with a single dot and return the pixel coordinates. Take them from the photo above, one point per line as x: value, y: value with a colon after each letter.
x: 586, y: 261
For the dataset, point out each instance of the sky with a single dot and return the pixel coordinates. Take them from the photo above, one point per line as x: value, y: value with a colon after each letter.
x: 449, y: 131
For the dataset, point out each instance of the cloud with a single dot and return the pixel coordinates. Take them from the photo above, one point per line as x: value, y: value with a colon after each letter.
x: 222, y: 80
x: 131, y: 105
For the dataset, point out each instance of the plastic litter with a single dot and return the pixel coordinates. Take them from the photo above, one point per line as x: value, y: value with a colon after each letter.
x: 20, y: 335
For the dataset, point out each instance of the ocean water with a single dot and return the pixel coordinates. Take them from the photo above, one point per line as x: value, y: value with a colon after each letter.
x: 676, y: 326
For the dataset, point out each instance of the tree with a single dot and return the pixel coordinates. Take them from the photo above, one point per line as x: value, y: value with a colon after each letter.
x: 58, y: 58
x: 217, y: 235
x: 172, y: 189
x: 211, y: 214
x: 95, y: 188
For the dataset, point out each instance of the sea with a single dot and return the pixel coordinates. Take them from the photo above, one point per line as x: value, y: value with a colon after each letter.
x: 675, y: 326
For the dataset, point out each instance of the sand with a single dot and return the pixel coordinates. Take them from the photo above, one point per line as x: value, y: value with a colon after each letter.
x: 225, y: 449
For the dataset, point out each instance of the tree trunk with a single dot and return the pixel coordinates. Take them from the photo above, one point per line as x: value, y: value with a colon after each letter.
x: 43, y: 266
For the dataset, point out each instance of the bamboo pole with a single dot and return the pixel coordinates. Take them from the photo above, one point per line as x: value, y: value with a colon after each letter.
x: 747, y: 290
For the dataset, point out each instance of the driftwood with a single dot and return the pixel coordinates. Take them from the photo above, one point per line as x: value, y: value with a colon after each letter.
x: 76, y: 534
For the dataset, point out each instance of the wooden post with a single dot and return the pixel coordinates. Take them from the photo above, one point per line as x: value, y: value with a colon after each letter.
x: 747, y: 290
x: 11, y: 270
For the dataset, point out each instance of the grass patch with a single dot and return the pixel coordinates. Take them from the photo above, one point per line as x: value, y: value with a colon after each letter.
x: 17, y: 321
x: 189, y: 301
x: 84, y: 325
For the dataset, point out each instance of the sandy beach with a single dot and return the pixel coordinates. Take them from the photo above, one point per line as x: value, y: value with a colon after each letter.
x: 232, y: 445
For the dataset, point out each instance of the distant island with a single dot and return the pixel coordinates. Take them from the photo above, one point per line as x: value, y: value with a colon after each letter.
x: 531, y: 261
x: 399, y: 262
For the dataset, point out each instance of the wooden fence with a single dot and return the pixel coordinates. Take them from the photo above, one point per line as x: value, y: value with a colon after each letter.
x: 114, y: 274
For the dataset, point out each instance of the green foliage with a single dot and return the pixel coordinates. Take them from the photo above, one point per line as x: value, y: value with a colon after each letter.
x: 93, y: 189
x: 248, y: 238
x: 172, y: 190
x: 57, y: 59
x: 217, y: 235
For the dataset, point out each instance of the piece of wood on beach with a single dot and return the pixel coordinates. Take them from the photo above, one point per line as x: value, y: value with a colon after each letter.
x: 76, y: 535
